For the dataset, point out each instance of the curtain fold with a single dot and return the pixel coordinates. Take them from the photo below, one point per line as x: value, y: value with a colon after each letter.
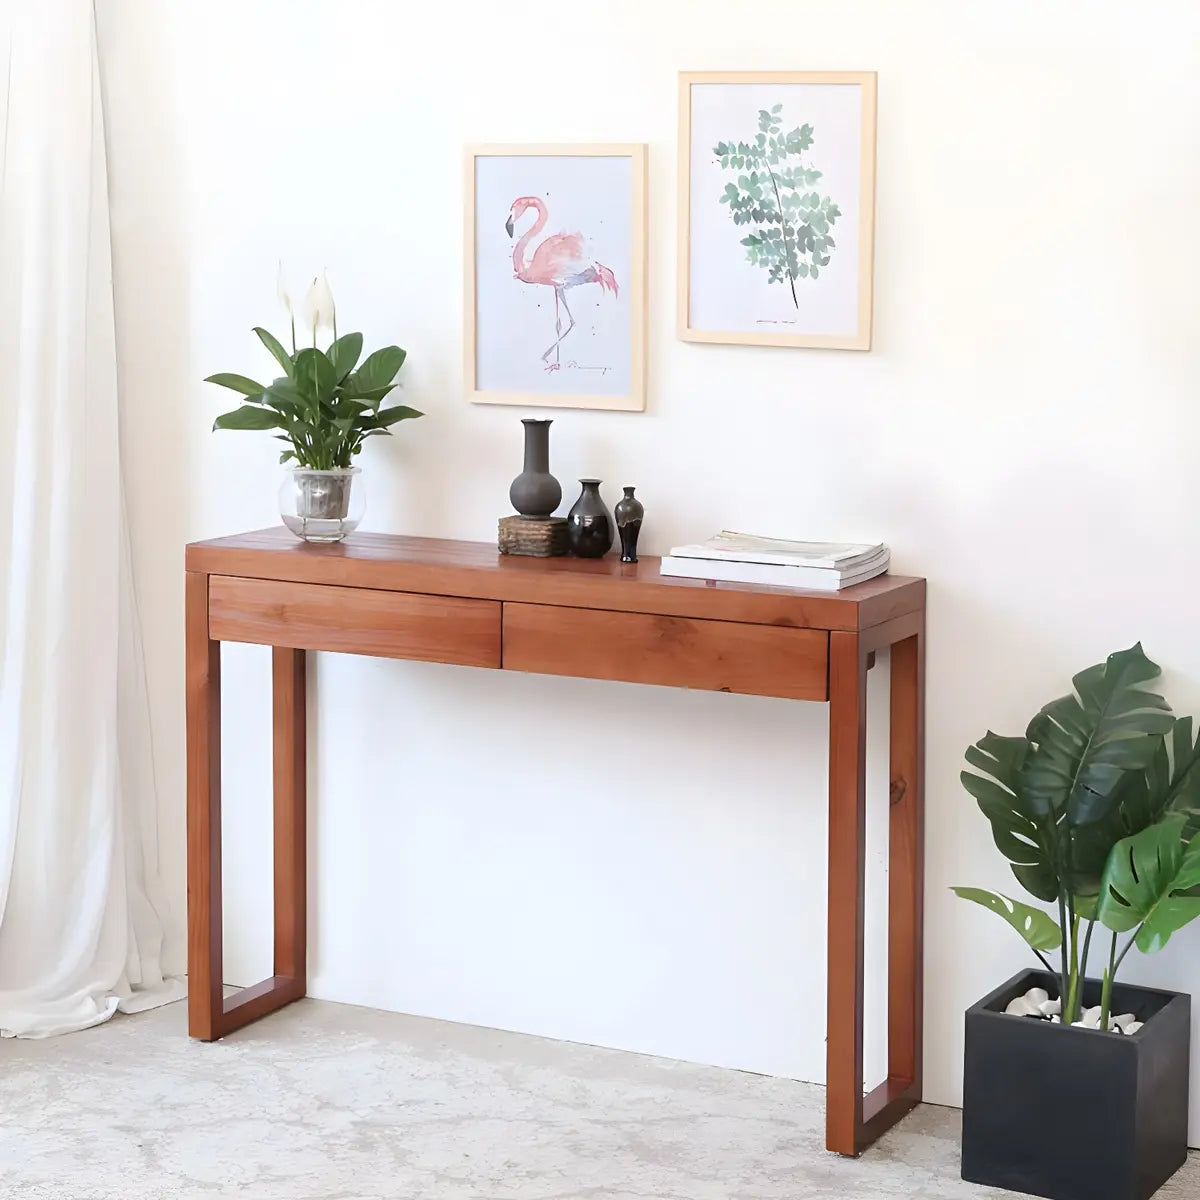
x: 81, y: 904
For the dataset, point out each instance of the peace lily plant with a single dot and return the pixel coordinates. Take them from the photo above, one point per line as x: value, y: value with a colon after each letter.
x: 325, y: 405
x: 1097, y: 809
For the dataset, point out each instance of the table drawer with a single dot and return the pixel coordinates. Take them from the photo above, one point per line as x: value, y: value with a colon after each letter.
x: 723, y: 656
x: 309, y: 616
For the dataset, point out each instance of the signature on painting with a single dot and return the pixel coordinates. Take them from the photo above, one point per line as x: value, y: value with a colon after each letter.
x: 557, y: 262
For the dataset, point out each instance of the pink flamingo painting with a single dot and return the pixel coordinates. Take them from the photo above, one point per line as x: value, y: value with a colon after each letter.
x: 557, y: 262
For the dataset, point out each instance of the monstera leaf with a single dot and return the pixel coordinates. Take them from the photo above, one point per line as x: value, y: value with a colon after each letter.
x: 1016, y: 829
x: 1169, y: 784
x: 1146, y: 883
x: 1183, y: 788
x: 1086, y: 744
x: 1031, y: 923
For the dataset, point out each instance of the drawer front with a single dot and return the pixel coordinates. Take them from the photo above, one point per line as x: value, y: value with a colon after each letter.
x: 310, y: 616
x: 723, y: 656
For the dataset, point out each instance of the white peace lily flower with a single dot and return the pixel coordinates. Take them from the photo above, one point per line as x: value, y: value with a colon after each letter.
x: 281, y: 290
x: 328, y: 311
x: 285, y: 298
x: 319, y: 310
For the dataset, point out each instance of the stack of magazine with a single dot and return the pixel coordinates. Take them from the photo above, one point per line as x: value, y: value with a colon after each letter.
x: 744, y: 558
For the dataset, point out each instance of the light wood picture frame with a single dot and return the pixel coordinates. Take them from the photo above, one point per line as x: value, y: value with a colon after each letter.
x: 555, y: 275
x: 777, y: 208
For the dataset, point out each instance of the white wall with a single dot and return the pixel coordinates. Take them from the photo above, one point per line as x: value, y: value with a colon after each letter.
x: 1024, y: 428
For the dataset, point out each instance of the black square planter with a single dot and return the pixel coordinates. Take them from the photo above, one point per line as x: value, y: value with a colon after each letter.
x: 1076, y: 1114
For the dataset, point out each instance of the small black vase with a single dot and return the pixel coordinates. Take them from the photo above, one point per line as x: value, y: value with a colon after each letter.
x: 589, y: 527
x: 629, y: 513
x: 535, y: 492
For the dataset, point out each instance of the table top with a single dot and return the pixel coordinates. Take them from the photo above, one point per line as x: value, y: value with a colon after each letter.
x: 439, y: 566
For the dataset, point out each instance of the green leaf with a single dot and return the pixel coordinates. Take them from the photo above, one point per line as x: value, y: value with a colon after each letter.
x: 282, y: 357
x: 378, y: 370
x: 389, y: 416
x: 1032, y: 924
x: 1182, y: 791
x: 1015, y: 827
x: 344, y: 354
x: 372, y: 398
x: 315, y: 375
x: 1085, y: 744
x: 249, y: 417
x: 289, y: 398
x: 1144, y: 883
x: 237, y: 383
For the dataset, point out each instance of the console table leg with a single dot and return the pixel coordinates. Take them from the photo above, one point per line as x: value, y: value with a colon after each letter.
x: 847, y: 866
x: 290, y: 753
x: 203, y: 672
x: 906, y: 873
x: 853, y: 1121
x: 211, y: 1014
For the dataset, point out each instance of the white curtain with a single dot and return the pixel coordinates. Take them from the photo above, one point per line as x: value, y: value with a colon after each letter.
x: 81, y: 910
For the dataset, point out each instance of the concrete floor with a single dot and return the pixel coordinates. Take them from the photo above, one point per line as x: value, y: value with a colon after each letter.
x: 330, y: 1102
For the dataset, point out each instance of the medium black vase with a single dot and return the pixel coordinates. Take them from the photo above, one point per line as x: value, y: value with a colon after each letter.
x: 589, y: 527
x: 535, y: 492
x: 629, y: 513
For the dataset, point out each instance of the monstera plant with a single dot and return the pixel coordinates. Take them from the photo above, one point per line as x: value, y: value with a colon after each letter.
x: 1097, y: 809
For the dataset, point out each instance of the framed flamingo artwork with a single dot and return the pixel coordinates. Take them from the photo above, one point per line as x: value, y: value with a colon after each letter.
x: 776, y: 207
x: 556, y: 275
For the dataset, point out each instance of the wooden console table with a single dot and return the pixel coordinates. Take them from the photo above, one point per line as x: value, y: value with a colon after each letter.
x: 462, y: 602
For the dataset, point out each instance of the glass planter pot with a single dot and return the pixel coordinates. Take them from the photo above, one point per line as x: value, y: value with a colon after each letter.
x: 322, y: 506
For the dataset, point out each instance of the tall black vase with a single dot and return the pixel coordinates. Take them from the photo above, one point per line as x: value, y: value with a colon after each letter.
x: 535, y: 492
x: 589, y: 526
x: 629, y: 513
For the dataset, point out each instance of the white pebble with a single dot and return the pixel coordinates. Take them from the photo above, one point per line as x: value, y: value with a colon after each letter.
x: 1037, y: 996
x: 1020, y: 1007
x: 1092, y: 1015
x: 1050, y: 1008
x: 1133, y: 1027
x: 1124, y: 1021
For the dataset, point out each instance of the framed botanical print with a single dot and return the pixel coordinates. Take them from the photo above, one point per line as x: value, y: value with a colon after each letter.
x: 555, y: 283
x: 776, y: 207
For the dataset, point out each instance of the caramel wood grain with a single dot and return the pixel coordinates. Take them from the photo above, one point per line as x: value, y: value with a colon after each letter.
x: 252, y: 1003
x: 477, y: 570
x: 883, y: 1107
x: 885, y: 634
x: 291, y: 804
x: 847, y: 876
x: 203, y: 757
x: 672, y: 651
x: 461, y: 602
x: 906, y: 861
x: 446, y: 629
